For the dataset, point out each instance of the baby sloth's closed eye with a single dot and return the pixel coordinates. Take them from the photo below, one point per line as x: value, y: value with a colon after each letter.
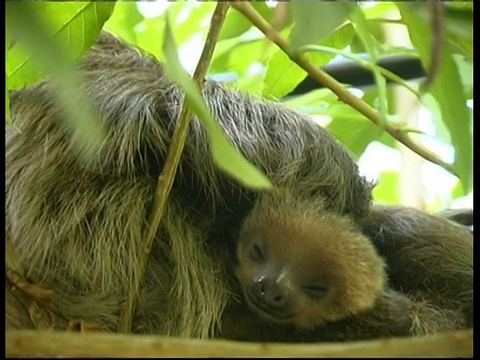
x: 299, y: 264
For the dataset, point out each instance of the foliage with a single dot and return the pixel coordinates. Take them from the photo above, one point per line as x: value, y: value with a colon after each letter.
x: 244, y: 55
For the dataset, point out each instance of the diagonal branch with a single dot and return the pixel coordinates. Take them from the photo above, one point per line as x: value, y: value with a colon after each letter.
x: 329, y: 82
x: 166, y: 178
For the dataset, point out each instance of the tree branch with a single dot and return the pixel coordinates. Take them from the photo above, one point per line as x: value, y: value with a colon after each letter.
x: 26, y: 343
x: 166, y: 178
x: 329, y: 82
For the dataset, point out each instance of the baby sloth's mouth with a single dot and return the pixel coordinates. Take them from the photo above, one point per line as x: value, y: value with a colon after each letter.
x: 266, y: 311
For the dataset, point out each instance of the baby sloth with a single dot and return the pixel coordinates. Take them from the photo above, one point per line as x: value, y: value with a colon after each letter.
x: 299, y: 264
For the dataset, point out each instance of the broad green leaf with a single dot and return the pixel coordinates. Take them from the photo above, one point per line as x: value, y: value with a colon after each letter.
x: 459, y: 28
x: 461, y: 45
x: 149, y: 36
x: 459, y: 5
x: 221, y: 54
x: 75, y: 27
x: 458, y: 23
x: 283, y: 75
x: 123, y: 21
x: 350, y: 127
x: 458, y: 191
x: 313, y: 21
x: 150, y: 30
x: 441, y: 131
x: 250, y: 84
x: 371, y: 98
x: 376, y: 30
x: 236, y: 24
x: 458, y: 20
x: 386, y: 192
x: 379, y: 10
x: 465, y: 69
x: 235, y: 54
x: 186, y: 20
x: 197, y: 22
x: 248, y: 53
x: 362, y: 31
x: 447, y: 90
x: 354, y: 132
x: 312, y: 98
x: 226, y: 157
x: 87, y: 131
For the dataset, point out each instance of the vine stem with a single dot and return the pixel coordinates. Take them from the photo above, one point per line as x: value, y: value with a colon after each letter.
x: 338, y: 89
x: 167, y: 176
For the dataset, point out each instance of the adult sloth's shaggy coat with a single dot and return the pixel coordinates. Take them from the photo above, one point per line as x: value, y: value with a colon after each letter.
x: 77, y: 225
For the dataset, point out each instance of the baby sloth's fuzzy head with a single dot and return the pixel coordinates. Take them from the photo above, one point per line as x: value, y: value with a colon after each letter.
x: 299, y: 264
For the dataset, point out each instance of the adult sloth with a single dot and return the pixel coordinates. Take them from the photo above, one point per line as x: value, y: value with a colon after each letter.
x: 77, y: 225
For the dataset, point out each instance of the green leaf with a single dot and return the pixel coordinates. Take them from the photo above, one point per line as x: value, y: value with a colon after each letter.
x: 441, y: 131
x: 375, y: 28
x: 250, y: 84
x: 226, y: 157
x: 150, y: 31
x: 283, y: 75
x: 355, y: 132
x: 149, y: 36
x: 123, y: 21
x: 75, y: 26
x: 236, y: 24
x: 447, y: 90
x: 386, y: 192
x: 378, y: 10
x: 458, y: 23
x: 195, y: 23
x: 237, y: 54
x: 458, y: 191
x: 362, y: 31
x: 465, y: 69
x: 315, y: 97
x: 36, y: 35
x: 315, y: 20
x: 247, y: 53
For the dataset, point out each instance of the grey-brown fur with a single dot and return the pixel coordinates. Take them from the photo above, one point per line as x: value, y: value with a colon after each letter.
x: 289, y: 246
x: 77, y: 225
x: 426, y: 255
x: 394, y: 315
x: 429, y: 266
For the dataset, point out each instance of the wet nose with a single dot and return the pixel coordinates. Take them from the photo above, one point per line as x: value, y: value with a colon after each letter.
x: 270, y: 293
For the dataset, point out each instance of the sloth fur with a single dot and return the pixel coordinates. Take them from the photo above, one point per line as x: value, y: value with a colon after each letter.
x: 77, y: 224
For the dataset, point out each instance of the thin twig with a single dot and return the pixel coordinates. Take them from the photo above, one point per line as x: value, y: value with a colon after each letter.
x: 98, y: 345
x: 13, y: 266
x: 329, y: 82
x: 15, y: 280
x: 166, y: 178
x: 364, y: 63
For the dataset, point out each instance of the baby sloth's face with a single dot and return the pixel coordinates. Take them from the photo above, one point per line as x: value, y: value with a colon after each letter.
x: 306, y: 269
x: 279, y: 291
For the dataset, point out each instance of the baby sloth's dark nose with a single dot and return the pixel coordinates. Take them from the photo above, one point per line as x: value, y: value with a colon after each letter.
x: 270, y: 293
